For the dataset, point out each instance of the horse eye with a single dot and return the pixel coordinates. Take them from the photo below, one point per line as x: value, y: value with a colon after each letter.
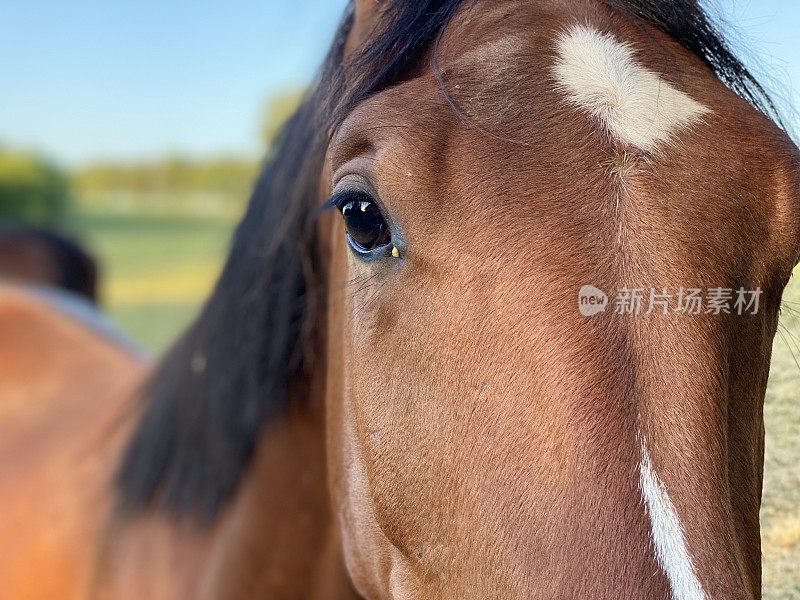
x: 366, y: 228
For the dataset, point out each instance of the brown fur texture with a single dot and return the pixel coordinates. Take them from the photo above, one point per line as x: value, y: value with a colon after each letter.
x: 463, y: 432
x: 484, y: 434
x: 63, y: 390
x: 66, y: 409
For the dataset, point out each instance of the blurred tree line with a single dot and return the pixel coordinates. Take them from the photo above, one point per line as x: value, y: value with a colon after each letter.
x: 280, y: 107
x: 226, y: 177
x: 36, y: 191
x: 31, y: 189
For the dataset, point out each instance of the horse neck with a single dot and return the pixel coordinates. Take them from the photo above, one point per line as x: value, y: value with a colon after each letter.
x: 278, y: 538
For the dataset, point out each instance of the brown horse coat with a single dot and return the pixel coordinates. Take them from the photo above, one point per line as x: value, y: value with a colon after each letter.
x: 479, y: 437
x: 64, y: 389
x: 67, y: 403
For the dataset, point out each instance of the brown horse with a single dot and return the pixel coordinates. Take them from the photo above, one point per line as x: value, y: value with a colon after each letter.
x: 63, y: 382
x: 430, y: 395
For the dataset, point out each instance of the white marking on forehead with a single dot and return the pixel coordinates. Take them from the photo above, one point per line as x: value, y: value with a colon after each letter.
x: 601, y: 75
x: 668, y: 536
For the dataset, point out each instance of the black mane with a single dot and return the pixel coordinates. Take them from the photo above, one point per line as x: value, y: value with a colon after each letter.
x: 229, y: 373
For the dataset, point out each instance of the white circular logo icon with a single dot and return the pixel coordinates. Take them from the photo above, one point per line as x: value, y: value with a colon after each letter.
x: 592, y: 301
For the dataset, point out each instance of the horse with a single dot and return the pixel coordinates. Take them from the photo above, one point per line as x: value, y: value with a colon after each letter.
x: 413, y: 378
x: 66, y: 380
x: 49, y: 258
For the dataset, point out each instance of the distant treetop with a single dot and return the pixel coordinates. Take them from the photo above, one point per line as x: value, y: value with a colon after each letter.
x: 32, y: 189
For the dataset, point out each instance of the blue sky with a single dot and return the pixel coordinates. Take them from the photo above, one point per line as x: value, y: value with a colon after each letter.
x: 140, y: 79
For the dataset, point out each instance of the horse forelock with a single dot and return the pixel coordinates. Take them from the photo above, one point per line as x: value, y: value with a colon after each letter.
x: 229, y: 374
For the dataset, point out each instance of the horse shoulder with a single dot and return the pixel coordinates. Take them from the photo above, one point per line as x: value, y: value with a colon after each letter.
x: 64, y: 394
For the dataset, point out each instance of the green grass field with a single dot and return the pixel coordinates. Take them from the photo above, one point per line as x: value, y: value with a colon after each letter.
x: 159, y: 269
x: 156, y: 270
x: 780, y: 514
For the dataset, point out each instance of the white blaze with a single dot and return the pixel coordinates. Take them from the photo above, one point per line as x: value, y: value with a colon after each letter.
x: 601, y: 76
x: 668, y: 536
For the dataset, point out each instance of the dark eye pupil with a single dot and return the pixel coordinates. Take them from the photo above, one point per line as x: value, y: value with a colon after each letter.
x: 365, y: 225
